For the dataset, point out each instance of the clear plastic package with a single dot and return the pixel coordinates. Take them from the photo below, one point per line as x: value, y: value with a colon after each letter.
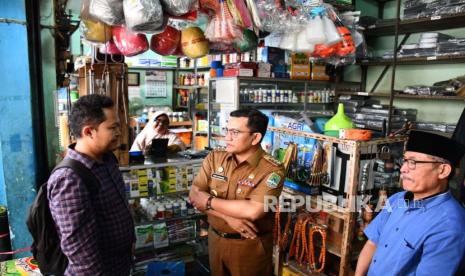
x: 144, y: 16
x: 108, y: 11
x: 178, y: 7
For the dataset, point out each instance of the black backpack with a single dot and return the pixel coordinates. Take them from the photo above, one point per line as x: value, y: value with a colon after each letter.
x: 46, y: 243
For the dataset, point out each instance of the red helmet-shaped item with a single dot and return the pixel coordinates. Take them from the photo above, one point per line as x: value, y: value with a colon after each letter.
x: 129, y: 43
x: 109, y: 48
x: 166, y: 42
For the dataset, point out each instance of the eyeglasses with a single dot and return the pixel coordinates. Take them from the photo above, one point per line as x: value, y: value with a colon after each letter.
x: 234, y: 132
x: 412, y: 164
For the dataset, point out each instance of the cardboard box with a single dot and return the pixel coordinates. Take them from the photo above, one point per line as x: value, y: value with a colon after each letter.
x: 238, y: 72
x: 264, y: 70
x: 300, y: 67
x: 319, y: 72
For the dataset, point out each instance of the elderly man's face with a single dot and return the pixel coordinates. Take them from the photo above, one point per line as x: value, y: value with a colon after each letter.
x: 420, y: 178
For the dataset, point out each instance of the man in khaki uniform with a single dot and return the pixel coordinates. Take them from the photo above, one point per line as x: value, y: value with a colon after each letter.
x: 231, y: 188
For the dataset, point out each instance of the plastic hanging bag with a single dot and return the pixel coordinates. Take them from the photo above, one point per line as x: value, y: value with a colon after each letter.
x: 254, y: 12
x: 92, y: 29
x: 144, y: 15
x: 222, y: 28
x: 178, y: 7
x: 289, y: 41
x: 129, y: 43
x: 346, y: 46
x: 248, y: 43
x: 166, y: 43
x: 314, y: 31
x: 193, y: 42
x: 108, y: 11
x: 240, y: 13
x: 109, y: 48
x: 332, y: 35
x: 302, y: 44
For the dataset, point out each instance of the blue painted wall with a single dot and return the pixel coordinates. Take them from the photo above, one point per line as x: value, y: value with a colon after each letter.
x: 17, y: 165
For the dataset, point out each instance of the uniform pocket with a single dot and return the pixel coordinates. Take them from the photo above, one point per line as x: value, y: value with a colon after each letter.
x: 219, y: 188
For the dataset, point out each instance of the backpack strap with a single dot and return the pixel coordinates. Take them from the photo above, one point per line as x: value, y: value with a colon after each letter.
x: 87, y: 176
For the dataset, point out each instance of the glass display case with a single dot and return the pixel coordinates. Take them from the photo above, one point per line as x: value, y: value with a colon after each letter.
x: 227, y: 94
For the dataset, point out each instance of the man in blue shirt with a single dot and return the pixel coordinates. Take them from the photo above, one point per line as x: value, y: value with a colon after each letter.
x: 420, y: 231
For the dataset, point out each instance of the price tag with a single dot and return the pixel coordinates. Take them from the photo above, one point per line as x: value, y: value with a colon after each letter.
x: 363, y: 94
x: 432, y: 58
x: 437, y: 17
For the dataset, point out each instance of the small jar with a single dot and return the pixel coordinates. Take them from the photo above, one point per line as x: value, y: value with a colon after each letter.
x: 176, y: 210
x: 174, y: 117
x: 161, y: 212
x: 190, y: 209
x: 183, y: 210
x: 169, y: 210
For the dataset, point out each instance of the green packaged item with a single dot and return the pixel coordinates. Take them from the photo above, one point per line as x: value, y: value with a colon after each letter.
x: 248, y: 42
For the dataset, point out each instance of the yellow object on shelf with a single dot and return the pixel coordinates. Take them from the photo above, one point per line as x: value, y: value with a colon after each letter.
x: 289, y: 272
x: 63, y: 131
x: 96, y: 31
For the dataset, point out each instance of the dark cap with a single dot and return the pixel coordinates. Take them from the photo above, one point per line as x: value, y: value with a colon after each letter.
x: 435, y: 145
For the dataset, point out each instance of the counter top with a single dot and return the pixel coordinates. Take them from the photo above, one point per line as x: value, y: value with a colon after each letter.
x: 170, y: 161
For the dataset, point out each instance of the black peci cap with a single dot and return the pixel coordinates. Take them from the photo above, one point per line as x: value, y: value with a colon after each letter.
x: 436, y: 145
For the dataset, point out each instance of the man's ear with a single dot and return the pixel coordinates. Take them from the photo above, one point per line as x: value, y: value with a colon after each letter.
x: 445, y: 171
x: 87, y: 131
x: 257, y: 138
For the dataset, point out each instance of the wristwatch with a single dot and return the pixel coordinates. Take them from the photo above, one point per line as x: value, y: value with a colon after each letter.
x: 209, y: 202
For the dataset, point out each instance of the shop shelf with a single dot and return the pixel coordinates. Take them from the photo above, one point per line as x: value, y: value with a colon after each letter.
x: 452, y: 59
x: 193, y: 217
x: 201, y: 68
x: 151, y: 68
x: 403, y: 96
x: 189, y: 87
x: 273, y: 80
x: 186, y: 123
x: 427, y: 24
x: 174, y: 162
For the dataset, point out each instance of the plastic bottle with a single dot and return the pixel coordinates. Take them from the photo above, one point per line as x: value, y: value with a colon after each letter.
x: 169, y: 210
x: 183, y: 210
x: 161, y: 212
x: 176, y: 210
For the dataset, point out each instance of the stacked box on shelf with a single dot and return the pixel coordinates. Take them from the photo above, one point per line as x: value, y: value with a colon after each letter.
x: 155, y: 181
x: 427, y: 8
x: 168, y: 183
x: 181, y: 178
x: 181, y: 230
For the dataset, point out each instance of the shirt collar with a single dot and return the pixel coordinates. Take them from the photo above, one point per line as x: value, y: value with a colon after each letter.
x: 86, y: 160
x: 253, y: 159
x: 428, y: 201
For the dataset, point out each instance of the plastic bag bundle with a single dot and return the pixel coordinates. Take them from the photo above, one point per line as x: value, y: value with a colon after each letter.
x: 108, y: 11
x: 240, y: 13
x: 166, y: 43
x: 109, y: 48
x: 274, y: 17
x: 178, y: 7
x: 144, y: 15
x: 193, y: 42
x: 314, y: 31
x: 129, y: 43
x: 92, y: 29
x: 221, y: 27
x: 249, y: 42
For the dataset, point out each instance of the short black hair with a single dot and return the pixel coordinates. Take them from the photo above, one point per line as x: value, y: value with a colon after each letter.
x: 88, y: 110
x: 257, y: 121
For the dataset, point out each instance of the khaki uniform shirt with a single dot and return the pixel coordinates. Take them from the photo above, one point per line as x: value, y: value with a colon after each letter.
x: 258, y: 176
